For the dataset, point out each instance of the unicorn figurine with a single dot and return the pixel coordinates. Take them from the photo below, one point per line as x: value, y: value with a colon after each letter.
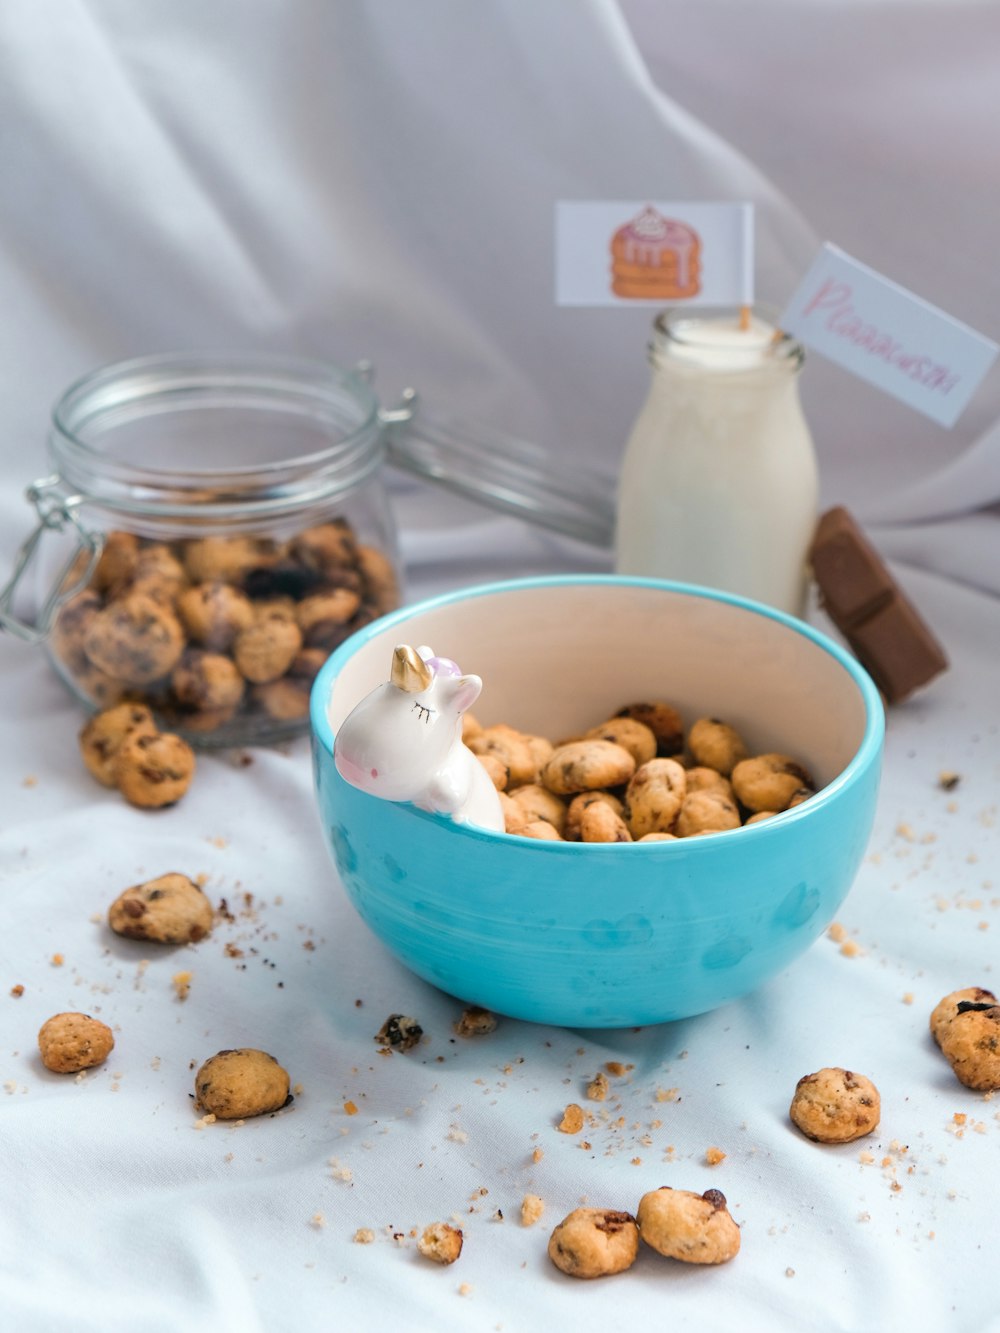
x: 403, y: 741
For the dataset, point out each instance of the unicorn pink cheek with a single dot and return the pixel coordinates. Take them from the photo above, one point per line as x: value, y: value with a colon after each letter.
x: 352, y: 772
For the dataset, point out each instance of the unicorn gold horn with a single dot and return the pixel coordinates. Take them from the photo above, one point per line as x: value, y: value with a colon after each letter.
x: 410, y: 673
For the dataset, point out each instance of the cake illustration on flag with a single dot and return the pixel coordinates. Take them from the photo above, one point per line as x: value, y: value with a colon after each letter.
x: 654, y: 258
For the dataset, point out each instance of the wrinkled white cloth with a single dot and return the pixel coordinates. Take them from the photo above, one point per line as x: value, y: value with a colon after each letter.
x: 377, y: 180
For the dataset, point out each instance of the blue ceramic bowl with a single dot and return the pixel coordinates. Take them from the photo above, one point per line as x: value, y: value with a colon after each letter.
x: 609, y: 935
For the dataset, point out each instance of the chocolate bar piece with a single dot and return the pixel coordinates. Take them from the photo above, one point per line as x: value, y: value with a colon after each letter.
x: 875, y: 616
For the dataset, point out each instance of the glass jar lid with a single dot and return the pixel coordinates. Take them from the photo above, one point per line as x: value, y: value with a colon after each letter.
x: 196, y: 434
x: 201, y: 435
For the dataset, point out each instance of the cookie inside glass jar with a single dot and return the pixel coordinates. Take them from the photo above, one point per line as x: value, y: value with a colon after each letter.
x: 221, y: 636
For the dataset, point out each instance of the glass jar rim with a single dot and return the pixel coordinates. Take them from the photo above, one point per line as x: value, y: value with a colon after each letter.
x: 326, y: 394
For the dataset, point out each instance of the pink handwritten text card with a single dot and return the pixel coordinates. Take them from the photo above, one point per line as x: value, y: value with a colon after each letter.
x: 886, y: 335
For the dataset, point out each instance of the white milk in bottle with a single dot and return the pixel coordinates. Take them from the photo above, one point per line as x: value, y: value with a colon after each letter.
x: 719, y: 482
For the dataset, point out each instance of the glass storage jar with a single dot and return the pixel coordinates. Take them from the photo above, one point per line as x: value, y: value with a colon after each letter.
x: 229, y: 528
x: 215, y: 525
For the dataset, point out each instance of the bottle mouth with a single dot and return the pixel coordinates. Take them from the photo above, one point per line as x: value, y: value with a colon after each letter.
x: 204, y: 433
x: 724, y: 339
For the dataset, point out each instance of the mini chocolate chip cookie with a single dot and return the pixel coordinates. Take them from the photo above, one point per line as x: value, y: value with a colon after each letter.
x: 324, y: 617
x: 170, y: 909
x: 378, y: 578
x: 266, y: 649
x: 70, y: 1042
x: 238, y: 1084
x: 695, y: 1228
x: 579, y: 806
x: 158, y: 573
x: 948, y: 1008
x: 600, y: 823
x: 701, y: 778
x: 594, y: 1242
x: 116, y: 566
x: 538, y: 802
x: 214, y: 613
x: 716, y: 744
x: 135, y: 639
x: 207, y: 682
x: 654, y: 796
x: 103, y: 736
x: 227, y: 559
x: 769, y: 781
x: 630, y: 734
x: 971, y: 1044
x: 706, y: 812
x: 835, y: 1106
x: 325, y: 548
x: 155, y: 770
x: 587, y: 766
x: 664, y: 722
x: 512, y: 748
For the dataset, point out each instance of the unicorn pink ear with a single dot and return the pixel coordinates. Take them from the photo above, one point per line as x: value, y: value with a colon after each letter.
x: 464, y: 691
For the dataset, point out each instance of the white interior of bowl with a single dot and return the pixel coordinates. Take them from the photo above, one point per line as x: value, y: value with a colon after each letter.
x: 557, y: 657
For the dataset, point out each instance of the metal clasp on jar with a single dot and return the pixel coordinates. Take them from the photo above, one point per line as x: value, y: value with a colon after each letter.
x: 56, y: 514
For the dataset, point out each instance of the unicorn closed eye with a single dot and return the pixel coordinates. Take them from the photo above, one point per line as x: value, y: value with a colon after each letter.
x: 403, y: 741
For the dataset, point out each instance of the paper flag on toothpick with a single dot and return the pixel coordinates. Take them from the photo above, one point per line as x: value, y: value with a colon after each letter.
x: 886, y: 335
x: 625, y: 252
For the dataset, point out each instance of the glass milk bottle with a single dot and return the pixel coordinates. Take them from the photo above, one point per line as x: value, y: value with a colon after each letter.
x: 719, y: 482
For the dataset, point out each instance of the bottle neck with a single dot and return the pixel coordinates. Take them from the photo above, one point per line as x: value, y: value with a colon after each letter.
x: 724, y: 342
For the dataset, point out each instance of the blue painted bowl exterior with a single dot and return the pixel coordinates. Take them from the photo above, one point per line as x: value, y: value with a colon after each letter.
x: 597, y: 936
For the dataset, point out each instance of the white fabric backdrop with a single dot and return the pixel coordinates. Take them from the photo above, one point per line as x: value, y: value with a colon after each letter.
x: 377, y: 180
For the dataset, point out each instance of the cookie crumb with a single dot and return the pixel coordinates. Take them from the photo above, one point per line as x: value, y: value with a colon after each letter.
x: 532, y: 1207
x: 17, y: 991
x: 466, y: 1289
x: 789, y: 1272
x: 597, y: 1089
x: 572, y: 1120
x: 57, y: 960
x: 475, y: 1022
x: 440, y: 1243
x: 836, y: 932
x: 318, y: 1221
x: 181, y: 982
x: 908, y: 997
x: 616, y: 1069
x: 713, y: 1156
x: 364, y: 1236
x: 667, y: 1094
x: 350, y: 1108
x: 205, y: 1121
x: 399, y: 1032
x: 538, y: 1154
x: 948, y: 780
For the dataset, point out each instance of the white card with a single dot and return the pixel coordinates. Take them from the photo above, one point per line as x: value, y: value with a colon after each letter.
x: 625, y: 252
x: 886, y: 335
